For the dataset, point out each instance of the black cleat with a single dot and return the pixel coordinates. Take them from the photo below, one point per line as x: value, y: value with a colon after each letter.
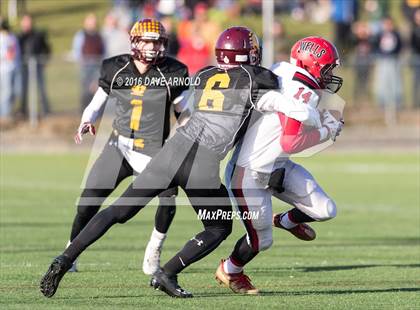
x: 161, y: 281
x: 58, y: 268
x: 154, y: 283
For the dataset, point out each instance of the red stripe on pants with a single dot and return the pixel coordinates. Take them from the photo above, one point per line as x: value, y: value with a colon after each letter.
x: 243, y: 207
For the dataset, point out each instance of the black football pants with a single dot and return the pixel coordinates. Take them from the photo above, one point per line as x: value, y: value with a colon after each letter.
x: 183, y: 163
x: 108, y: 171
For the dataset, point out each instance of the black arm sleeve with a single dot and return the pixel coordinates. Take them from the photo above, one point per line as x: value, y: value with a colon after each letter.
x: 105, y: 78
x: 264, y: 81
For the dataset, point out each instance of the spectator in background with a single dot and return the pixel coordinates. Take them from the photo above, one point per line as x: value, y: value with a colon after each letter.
x: 376, y: 10
x: 173, y: 44
x: 166, y: 8
x: 33, y: 45
x: 319, y: 11
x: 362, y: 60
x: 252, y: 7
x: 9, y: 65
x: 415, y: 46
x: 148, y: 10
x: 409, y: 8
x: 192, y: 4
x: 116, y: 38
x: 344, y: 13
x: 88, y: 50
x: 122, y: 12
x: 197, y: 39
x: 388, y: 70
x: 281, y: 48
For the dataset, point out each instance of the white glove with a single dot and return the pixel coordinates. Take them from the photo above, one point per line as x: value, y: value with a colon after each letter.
x: 314, y: 119
x: 83, y: 129
x: 333, y: 125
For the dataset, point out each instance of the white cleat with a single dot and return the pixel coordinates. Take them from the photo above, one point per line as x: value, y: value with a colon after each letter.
x: 151, y: 261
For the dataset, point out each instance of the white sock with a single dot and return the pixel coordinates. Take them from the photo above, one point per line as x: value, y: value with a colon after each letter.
x: 286, y: 222
x: 157, y: 238
x: 230, y: 267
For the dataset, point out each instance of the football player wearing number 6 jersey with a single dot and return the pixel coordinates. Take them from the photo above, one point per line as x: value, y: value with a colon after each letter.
x: 223, y: 100
x: 260, y: 166
x: 142, y: 119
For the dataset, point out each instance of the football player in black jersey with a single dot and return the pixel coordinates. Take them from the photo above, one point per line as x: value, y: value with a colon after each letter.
x: 223, y: 100
x: 141, y: 85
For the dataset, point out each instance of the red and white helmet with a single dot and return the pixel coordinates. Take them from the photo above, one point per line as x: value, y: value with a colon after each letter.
x: 148, y: 30
x: 237, y: 46
x: 319, y: 57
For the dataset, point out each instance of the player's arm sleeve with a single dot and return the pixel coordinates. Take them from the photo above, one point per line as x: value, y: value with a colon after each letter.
x: 91, y: 112
x: 295, y: 138
x: 274, y: 101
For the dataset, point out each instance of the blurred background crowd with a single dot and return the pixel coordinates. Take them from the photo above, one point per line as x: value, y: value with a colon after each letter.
x: 51, y: 51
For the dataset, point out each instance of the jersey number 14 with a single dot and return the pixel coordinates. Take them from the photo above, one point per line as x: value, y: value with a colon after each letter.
x: 306, y: 96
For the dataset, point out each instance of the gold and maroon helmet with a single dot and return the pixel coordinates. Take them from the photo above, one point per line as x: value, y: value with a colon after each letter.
x: 147, y: 30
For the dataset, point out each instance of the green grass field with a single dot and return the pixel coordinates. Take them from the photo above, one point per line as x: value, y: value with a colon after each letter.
x: 366, y: 258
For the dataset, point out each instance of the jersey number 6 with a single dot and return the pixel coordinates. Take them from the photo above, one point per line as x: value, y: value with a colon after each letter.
x: 212, y: 99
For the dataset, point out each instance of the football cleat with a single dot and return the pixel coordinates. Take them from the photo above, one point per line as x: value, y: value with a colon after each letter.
x: 161, y: 281
x: 151, y: 261
x: 238, y: 282
x: 58, y: 268
x: 301, y: 231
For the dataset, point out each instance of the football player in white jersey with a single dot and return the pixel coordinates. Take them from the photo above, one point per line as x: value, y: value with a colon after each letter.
x: 260, y: 166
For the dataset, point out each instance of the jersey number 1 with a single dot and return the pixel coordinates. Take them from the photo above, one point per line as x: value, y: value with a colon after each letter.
x: 137, y: 92
x: 212, y: 99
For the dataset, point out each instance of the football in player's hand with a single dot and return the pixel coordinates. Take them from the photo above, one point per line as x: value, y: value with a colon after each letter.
x: 336, y: 114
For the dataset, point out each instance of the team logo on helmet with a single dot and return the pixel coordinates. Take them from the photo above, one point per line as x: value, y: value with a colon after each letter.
x: 319, y: 57
x: 311, y: 47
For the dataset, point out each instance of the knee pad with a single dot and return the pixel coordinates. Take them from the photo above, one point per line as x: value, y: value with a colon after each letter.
x: 328, y: 212
x: 331, y: 209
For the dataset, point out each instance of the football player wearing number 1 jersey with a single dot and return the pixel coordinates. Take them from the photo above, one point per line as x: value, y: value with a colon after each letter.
x: 260, y: 166
x: 223, y: 98
x: 142, y: 119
